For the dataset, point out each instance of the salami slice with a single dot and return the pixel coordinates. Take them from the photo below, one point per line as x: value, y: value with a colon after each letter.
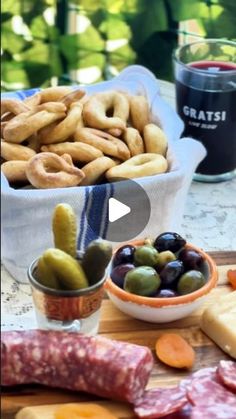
x: 215, y: 411
x: 185, y: 384
x: 227, y: 374
x: 159, y: 402
x: 184, y: 413
x: 208, y: 391
x: 93, y: 364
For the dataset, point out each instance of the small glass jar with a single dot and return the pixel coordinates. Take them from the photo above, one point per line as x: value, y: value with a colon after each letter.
x: 66, y: 310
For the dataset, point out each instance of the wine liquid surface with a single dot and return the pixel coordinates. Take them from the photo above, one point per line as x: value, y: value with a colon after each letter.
x: 213, y: 65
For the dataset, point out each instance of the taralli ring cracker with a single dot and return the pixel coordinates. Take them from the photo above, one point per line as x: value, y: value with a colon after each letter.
x: 25, y: 124
x: 96, y: 107
x: 96, y: 169
x: 78, y: 151
x: 67, y: 158
x: 13, y: 106
x: 52, y: 94
x: 51, y: 107
x: 139, y: 112
x: 154, y: 139
x: 3, y: 124
x: 33, y: 143
x: 48, y: 170
x: 147, y: 164
x: 11, y: 151
x: 72, y: 97
x: 109, y: 133
x: 15, y: 170
x: 57, y: 133
x: 134, y: 141
x: 104, y: 142
x: 33, y: 101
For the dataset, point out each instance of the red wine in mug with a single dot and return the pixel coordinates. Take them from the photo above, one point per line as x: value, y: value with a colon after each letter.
x: 208, y: 108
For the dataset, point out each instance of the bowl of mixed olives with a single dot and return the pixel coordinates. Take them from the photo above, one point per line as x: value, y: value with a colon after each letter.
x: 160, y: 280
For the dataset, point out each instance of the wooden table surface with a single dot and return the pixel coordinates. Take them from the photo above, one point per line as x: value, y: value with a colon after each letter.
x: 116, y: 325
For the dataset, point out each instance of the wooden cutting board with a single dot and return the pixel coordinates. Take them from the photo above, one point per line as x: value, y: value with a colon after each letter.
x: 119, y: 326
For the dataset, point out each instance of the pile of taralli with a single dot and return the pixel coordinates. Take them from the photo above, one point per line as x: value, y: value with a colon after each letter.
x: 61, y: 137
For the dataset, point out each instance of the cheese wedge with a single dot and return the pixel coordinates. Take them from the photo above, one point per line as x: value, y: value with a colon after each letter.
x: 219, y: 323
x: 37, y: 412
x: 68, y: 410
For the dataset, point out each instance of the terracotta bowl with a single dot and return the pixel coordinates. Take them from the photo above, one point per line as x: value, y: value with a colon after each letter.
x: 162, y: 310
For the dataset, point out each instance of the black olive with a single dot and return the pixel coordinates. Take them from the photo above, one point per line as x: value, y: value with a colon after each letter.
x: 191, y: 259
x: 118, y: 273
x: 124, y: 254
x: 166, y: 293
x: 169, y: 241
x: 171, y: 272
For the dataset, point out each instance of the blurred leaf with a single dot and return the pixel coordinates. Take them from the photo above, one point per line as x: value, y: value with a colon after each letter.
x: 30, y: 9
x: 122, y: 57
x: 113, y: 6
x: 227, y: 3
x: 212, y: 13
x: 128, y: 6
x: 10, y: 41
x: 37, y: 73
x: 114, y: 28
x: 81, y: 57
x: 14, y: 75
x: 72, y: 45
x: 38, y: 53
x: 5, y: 17
x: 98, y: 17
x: 156, y: 54
x: 183, y: 10
x: 145, y: 24
x: 90, y: 60
x: 224, y: 25
x: 55, y: 61
x: 12, y: 6
x: 87, y: 5
x: 92, y: 5
x: 39, y: 28
x: 116, y: 6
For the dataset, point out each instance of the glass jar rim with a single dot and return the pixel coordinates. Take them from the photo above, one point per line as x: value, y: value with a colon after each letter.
x: 206, y: 41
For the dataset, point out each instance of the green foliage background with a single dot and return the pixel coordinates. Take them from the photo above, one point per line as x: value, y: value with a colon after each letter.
x: 148, y: 28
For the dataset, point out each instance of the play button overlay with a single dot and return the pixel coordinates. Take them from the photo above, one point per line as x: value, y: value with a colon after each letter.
x: 118, y: 211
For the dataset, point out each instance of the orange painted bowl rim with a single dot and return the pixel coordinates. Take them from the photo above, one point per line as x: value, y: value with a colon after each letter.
x: 156, y: 302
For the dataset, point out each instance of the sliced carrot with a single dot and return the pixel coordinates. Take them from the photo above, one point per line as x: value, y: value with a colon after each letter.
x: 175, y: 351
x: 83, y: 411
x: 231, y: 275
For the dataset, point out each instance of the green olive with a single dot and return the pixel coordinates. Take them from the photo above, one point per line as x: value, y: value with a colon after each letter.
x: 164, y: 258
x: 146, y: 255
x: 148, y: 241
x: 143, y: 280
x: 190, y: 282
